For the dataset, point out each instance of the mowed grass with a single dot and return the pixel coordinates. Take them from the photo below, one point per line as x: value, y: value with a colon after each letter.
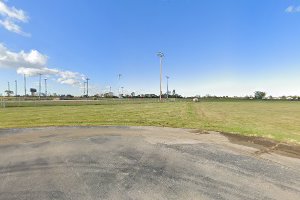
x: 276, y: 120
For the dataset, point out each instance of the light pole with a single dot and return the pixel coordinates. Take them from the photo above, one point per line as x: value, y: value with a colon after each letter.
x: 119, y: 78
x: 46, y: 86
x: 83, y: 88
x: 87, y: 87
x: 25, y: 93
x: 161, y: 56
x: 167, y: 86
x: 16, y: 84
x: 8, y: 87
x: 40, y: 86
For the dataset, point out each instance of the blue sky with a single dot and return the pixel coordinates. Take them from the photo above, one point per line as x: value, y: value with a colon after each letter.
x: 217, y: 47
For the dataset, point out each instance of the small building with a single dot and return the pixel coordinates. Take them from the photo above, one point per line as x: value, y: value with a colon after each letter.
x: 32, y: 91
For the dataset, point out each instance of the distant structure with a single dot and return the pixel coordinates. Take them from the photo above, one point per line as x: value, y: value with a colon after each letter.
x: 32, y: 91
x: 167, y: 86
x: 25, y: 92
x: 46, y: 91
x: 16, y: 88
x: 8, y: 91
x: 108, y: 94
x: 84, y: 88
x: 40, y: 86
x: 195, y: 99
x: 119, y: 79
x: 87, y: 87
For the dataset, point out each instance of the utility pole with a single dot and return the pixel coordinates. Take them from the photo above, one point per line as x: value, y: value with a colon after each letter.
x: 25, y: 85
x: 160, y: 55
x: 40, y: 86
x: 46, y: 91
x: 16, y: 89
x: 167, y: 86
x: 87, y: 87
x: 122, y: 90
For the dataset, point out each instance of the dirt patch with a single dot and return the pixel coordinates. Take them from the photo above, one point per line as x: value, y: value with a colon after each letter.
x: 265, y: 145
x: 197, y: 131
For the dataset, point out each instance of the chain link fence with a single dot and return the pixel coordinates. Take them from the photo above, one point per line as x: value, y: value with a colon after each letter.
x: 46, y: 101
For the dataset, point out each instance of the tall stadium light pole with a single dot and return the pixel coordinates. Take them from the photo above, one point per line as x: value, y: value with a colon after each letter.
x: 25, y: 92
x: 46, y: 91
x: 119, y: 75
x: 161, y: 56
x: 16, y: 87
x: 87, y: 87
x: 84, y: 88
x: 40, y: 86
x: 167, y: 86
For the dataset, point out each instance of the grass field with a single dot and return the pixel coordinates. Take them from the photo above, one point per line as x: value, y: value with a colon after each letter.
x: 277, y: 120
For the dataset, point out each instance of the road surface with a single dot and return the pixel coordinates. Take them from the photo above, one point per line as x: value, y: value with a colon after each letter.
x: 139, y: 163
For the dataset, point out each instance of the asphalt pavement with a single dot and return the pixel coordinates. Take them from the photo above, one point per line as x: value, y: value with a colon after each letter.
x: 138, y: 163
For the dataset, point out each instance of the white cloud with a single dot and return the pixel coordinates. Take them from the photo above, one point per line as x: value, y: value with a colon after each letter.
x: 11, y: 26
x: 33, y: 63
x: 292, y: 9
x: 71, y: 78
x: 12, y: 12
x: 32, y: 59
x: 10, y: 16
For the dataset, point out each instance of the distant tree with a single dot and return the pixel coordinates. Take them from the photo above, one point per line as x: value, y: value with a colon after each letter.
x: 294, y: 97
x: 283, y: 97
x: 259, y: 95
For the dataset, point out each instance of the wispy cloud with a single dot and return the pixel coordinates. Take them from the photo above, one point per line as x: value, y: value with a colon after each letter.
x: 292, y: 9
x: 10, y: 16
x: 33, y: 63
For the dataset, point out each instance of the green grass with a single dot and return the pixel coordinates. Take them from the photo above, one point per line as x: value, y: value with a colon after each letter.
x: 276, y: 120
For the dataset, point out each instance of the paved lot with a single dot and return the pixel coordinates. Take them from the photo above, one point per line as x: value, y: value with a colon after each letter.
x: 139, y: 163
